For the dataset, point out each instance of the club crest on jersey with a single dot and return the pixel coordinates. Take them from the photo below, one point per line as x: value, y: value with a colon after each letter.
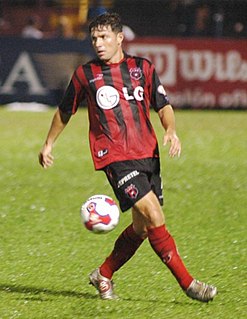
x: 131, y: 191
x: 135, y: 73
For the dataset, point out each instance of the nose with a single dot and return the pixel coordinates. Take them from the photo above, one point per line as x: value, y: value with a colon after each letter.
x: 98, y: 42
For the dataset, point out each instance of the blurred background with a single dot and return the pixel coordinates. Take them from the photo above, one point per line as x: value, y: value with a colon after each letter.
x: 199, y: 47
x: 68, y: 18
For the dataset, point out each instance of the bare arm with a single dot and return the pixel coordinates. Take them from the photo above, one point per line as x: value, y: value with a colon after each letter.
x: 59, y: 122
x: 167, y: 119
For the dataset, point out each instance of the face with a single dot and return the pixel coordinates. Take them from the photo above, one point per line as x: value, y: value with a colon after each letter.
x: 107, y: 44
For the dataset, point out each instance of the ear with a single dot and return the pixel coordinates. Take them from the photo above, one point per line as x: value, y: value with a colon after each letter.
x: 120, y: 37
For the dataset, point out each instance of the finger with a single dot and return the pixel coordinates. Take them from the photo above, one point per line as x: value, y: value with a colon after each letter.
x: 175, y: 149
x: 172, y: 149
x: 50, y: 157
x: 46, y: 160
x: 172, y: 152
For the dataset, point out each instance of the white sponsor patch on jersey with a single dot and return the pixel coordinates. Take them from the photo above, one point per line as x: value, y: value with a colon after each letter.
x: 107, y: 97
x: 161, y: 90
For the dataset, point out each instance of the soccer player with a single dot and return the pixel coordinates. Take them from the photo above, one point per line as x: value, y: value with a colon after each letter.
x: 120, y: 90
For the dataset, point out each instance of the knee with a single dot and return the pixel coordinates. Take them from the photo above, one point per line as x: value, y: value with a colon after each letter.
x: 141, y: 231
x: 153, y: 217
x: 150, y: 210
x: 143, y: 235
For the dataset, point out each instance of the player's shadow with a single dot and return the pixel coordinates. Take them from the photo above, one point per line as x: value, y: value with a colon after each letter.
x: 34, y: 292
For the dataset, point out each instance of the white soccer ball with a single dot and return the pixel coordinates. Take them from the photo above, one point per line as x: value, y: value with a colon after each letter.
x: 100, y: 214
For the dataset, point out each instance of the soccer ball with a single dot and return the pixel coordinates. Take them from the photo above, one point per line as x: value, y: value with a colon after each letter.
x: 100, y: 214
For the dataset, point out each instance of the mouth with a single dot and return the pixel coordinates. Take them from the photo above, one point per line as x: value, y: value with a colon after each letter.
x: 100, y: 53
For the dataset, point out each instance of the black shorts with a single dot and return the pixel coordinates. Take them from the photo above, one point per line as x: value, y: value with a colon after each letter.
x: 131, y: 180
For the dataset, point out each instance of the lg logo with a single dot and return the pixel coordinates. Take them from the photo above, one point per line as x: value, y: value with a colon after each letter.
x: 108, y: 97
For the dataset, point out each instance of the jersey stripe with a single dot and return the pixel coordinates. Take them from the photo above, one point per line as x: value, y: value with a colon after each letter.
x: 123, y: 111
x: 91, y: 73
x: 144, y: 104
x: 125, y: 73
x: 117, y: 111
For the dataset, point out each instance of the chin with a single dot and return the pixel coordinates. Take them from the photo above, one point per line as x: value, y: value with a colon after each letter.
x: 104, y: 59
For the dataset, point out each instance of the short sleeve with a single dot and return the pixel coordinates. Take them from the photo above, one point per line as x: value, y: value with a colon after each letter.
x: 74, y: 95
x: 159, y: 96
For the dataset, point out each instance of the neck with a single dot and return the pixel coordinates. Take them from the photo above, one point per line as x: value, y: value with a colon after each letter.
x: 116, y: 58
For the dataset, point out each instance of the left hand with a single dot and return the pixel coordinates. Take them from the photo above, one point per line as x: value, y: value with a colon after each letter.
x: 175, y: 145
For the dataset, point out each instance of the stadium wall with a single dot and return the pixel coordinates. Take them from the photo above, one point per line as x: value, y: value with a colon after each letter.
x: 196, y: 73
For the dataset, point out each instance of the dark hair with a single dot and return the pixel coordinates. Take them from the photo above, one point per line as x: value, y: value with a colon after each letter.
x: 107, y: 19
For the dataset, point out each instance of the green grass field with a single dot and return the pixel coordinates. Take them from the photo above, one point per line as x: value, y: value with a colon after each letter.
x: 46, y: 254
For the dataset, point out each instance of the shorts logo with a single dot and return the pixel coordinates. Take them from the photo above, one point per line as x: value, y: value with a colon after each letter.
x: 131, y: 191
x: 135, y: 73
x: 126, y: 178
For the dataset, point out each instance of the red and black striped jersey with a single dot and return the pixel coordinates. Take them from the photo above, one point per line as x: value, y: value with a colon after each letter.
x: 119, y: 97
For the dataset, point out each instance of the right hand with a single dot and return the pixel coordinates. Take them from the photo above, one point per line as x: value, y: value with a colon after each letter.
x: 45, y: 156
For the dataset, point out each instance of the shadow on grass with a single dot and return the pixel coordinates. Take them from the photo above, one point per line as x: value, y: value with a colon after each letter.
x: 49, y: 292
x: 38, y: 294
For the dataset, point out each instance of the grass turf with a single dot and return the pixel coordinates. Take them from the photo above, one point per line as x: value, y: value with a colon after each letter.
x: 46, y: 254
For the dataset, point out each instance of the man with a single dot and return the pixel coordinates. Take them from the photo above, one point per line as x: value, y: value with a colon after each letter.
x: 120, y: 89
